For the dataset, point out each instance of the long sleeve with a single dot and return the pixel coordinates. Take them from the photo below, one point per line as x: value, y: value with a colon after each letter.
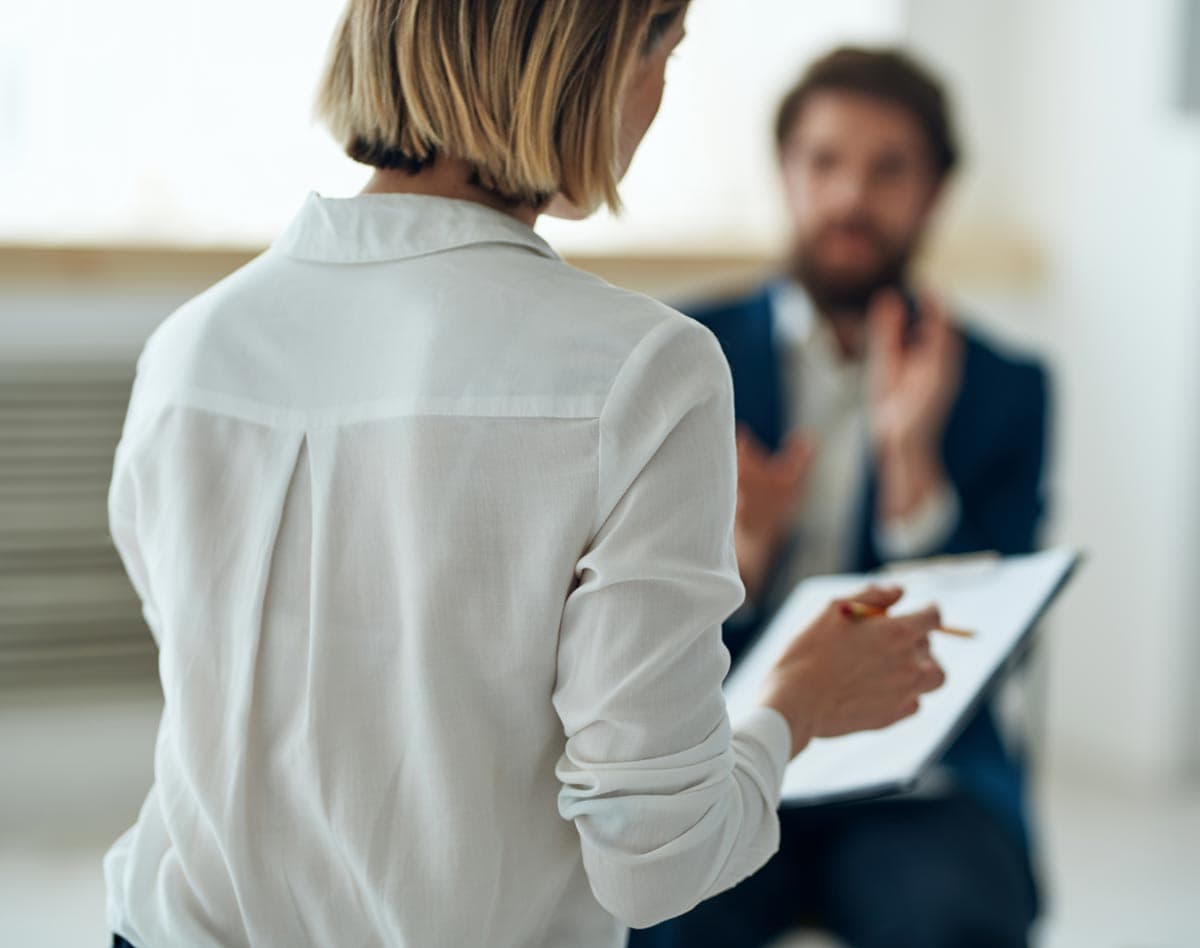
x: 1006, y: 507
x: 671, y: 803
x: 122, y: 518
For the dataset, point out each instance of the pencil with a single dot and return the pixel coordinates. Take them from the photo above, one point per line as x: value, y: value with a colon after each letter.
x: 852, y: 609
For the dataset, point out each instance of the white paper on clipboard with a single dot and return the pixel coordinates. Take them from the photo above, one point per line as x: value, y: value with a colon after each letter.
x: 1000, y: 600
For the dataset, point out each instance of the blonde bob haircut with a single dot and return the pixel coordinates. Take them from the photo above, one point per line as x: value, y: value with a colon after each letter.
x: 527, y: 92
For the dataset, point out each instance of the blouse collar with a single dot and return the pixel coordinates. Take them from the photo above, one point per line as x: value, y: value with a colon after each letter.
x: 372, y: 228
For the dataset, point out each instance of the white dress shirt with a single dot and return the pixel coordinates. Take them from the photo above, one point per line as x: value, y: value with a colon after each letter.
x: 826, y: 401
x: 434, y: 533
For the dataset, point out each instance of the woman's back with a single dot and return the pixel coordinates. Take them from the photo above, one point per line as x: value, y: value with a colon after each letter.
x: 354, y: 490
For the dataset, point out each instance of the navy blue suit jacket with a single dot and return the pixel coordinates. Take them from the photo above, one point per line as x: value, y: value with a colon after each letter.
x: 993, y: 451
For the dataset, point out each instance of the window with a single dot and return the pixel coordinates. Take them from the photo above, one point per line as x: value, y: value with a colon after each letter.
x: 159, y: 121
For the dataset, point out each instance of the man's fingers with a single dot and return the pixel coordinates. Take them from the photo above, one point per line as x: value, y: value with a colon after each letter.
x: 886, y: 318
x: 796, y: 461
x: 886, y: 308
x: 797, y: 451
x: 781, y: 473
x: 934, y: 311
x: 936, y: 332
x: 748, y: 446
x: 949, y: 347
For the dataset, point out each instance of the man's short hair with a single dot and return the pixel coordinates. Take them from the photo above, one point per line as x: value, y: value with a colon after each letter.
x: 525, y: 91
x: 886, y: 74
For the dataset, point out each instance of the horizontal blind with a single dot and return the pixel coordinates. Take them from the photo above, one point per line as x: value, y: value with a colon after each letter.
x: 68, y: 614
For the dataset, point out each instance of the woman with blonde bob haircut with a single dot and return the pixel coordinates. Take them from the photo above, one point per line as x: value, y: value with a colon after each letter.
x: 434, y: 534
x: 531, y: 101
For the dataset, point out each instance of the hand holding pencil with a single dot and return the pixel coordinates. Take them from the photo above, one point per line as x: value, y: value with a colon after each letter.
x: 855, y: 668
x: 854, y: 609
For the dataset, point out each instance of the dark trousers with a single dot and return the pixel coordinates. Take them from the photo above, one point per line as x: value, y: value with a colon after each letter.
x: 119, y: 942
x: 898, y: 873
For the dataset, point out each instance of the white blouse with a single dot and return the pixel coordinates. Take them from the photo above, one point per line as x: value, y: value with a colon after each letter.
x: 434, y: 534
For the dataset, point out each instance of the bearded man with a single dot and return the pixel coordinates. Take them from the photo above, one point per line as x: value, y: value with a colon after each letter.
x: 873, y: 429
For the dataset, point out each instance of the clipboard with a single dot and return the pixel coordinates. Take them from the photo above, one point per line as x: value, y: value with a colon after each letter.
x: 1001, y: 600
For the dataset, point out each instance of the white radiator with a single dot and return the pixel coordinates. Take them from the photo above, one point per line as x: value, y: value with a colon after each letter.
x: 68, y: 614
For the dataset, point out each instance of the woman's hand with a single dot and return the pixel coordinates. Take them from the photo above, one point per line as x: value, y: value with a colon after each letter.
x: 843, y: 674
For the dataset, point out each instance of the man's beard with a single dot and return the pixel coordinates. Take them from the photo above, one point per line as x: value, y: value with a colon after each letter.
x: 835, y: 290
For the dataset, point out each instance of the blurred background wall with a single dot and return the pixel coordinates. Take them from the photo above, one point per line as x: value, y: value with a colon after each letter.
x: 1074, y: 231
x: 1084, y: 150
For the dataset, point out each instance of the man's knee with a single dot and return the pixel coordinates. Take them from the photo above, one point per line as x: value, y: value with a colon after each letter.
x: 933, y: 878
x: 956, y: 929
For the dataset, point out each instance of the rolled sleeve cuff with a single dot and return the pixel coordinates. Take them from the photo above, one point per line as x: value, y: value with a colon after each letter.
x: 769, y: 730
x: 922, y: 532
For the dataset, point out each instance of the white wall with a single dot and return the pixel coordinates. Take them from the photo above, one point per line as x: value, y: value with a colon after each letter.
x: 215, y: 149
x: 1082, y: 150
x: 704, y: 179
